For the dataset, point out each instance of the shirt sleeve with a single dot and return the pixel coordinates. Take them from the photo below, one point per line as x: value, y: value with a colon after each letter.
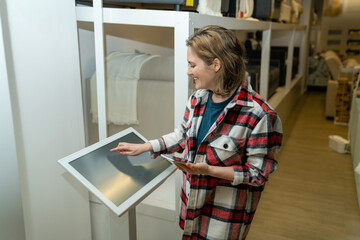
x: 264, y: 141
x: 175, y: 141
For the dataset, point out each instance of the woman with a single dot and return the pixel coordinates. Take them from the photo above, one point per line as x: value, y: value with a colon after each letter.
x: 229, y: 136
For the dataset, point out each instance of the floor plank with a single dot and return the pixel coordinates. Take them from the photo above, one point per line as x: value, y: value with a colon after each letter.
x: 312, y: 195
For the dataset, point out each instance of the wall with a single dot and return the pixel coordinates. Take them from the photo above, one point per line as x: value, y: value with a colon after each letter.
x: 11, y: 211
x: 46, y: 91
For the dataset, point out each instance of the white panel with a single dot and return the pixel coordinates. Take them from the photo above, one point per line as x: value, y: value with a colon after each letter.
x: 11, y: 211
x: 48, y: 117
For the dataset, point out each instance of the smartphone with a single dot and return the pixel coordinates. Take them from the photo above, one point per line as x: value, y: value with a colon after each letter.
x: 173, y: 159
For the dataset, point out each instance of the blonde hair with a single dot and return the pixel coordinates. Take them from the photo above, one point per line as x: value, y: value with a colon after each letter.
x: 212, y: 42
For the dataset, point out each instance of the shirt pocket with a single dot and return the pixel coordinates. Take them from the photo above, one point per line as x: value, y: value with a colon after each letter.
x: 225, y: 149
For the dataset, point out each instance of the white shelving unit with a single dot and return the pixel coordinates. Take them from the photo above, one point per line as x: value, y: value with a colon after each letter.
x: 184, y: 24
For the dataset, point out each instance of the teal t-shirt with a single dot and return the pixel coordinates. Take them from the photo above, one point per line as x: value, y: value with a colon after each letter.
x: 212, y: 112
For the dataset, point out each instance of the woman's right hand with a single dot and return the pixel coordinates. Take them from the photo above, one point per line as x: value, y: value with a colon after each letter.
x: 132, y: 149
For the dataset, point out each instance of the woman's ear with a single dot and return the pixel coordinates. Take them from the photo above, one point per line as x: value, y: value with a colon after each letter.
x: 216, y: 64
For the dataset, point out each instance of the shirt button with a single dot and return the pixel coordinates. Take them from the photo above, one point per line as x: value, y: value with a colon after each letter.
x: 226, y: 146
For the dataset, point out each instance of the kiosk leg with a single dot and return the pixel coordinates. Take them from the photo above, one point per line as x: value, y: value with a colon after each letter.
x: 132, y: 223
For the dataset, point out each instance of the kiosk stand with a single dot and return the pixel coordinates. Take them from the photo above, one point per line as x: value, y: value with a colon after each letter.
x: 120, y: 182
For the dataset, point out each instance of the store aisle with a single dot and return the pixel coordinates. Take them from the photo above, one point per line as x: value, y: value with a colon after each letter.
x: 312, y: 195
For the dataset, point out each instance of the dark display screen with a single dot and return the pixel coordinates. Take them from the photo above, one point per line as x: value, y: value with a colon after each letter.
x: 117, y: 176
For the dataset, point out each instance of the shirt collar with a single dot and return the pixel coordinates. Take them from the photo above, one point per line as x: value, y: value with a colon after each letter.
x: 243, y: 96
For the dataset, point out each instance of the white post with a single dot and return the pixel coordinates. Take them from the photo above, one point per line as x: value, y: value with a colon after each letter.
x: 100, y: 67
x: 303, y: 61
x: 100, y: 215
x: 132, y: 223
x: 265, y: 63
x: 182, y: 30
x: 290, y: 57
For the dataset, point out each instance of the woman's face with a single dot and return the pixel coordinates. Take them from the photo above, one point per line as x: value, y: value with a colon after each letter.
x: 204, y: 75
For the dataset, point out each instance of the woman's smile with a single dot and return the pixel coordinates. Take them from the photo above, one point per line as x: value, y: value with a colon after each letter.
x: 196, y: 80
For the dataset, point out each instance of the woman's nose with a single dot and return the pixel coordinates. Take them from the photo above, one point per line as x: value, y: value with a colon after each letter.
x: 189, y: 72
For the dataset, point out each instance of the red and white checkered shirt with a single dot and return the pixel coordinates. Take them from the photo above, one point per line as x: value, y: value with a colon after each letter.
x: 245, y: 136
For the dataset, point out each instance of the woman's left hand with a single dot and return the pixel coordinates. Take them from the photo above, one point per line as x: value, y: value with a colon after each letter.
x: 194, y: 168
x: 226, y: 173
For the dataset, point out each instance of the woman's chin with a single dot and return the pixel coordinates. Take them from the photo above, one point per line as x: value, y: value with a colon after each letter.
x: 197, y: 86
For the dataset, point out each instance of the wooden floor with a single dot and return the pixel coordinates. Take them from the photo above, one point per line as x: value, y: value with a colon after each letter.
x: 312, y: 195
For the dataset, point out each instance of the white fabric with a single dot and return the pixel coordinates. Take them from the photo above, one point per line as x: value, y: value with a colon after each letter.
x: 296, y: 9
x: 122, y: 74
x: 212, y: 7
x: 285, y: 12
x: 244, y: 8
x: 334, y: 63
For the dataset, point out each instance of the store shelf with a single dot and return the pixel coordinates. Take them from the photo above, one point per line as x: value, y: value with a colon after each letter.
x: 286, y: 26
x: 232, y: 23
x: 184, y: 24
x: 132, y: 16
x: 163, y: 18
x: 281, y: 92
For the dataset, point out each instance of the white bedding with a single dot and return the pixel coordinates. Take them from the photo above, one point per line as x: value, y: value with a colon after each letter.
x: 154, y: 103
x: 122, y: 76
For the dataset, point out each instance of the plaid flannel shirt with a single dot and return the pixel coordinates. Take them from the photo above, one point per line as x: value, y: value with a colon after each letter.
x: 245, y: 136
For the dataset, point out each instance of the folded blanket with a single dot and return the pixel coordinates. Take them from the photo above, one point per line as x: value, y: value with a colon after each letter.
x: 122, y: 75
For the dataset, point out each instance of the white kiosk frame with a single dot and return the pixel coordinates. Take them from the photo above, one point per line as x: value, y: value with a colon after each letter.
x: 137, y: 195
